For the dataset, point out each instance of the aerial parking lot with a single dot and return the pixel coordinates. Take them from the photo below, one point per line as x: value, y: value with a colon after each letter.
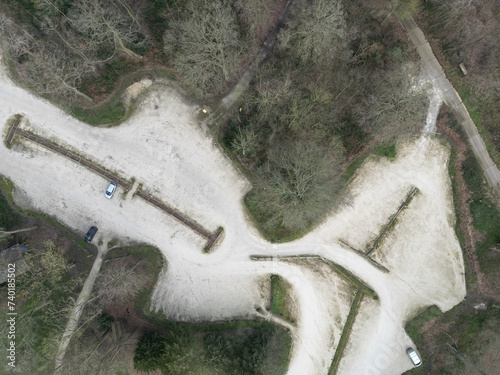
x: 248, y: 187
x: 163, y: 149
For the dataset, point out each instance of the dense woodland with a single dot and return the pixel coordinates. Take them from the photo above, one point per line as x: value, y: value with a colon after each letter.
x: 338, y: 79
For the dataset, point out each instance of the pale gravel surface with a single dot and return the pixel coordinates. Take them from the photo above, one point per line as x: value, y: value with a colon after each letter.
x: 162, y: 146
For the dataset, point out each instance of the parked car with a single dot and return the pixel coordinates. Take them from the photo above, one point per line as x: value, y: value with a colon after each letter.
x: 414, y: 357
x: 110, y: 190
x: 90, y: 234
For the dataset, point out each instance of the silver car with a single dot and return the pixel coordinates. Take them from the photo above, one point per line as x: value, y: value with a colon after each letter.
x: 110, y: 190
x: 414, y: 357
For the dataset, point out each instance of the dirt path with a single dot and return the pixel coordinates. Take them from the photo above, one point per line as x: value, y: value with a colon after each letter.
x: 450, y: 96
x: 230, y: 99
x: 83, y: 297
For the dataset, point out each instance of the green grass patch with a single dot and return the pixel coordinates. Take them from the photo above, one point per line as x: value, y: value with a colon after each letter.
x: 352, y: 168
x: 278, y: 295
x: 473, y: 175
x: 7, y: 187
x: 386, y: 150
x: 486, y: 216
x: 414, y: 326
x: 8, y: 218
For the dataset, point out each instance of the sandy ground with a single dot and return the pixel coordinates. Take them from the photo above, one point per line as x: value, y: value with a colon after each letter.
x: 163, y: 147
x: 319, y: 336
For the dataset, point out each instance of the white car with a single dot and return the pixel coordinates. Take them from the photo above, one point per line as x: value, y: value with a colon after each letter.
x: 110, y: 190
x: 414, y: 357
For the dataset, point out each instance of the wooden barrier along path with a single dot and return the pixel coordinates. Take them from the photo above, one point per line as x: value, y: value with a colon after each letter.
x: 12, y: 131
x: 211, y: 237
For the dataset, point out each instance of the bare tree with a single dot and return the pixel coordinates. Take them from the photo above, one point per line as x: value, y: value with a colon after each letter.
x: 396, y: 107
x: 318, y: 33
x: 45, y: 67
x: 6, y: 234
x: 119, y: 283
x: 103, y: 24
x: 205, y: 44
x: 245, y: 142
x: 99, y: 354
x: 271, y: 93
x: 53, y: 71
x: 49, y: 264
x: 257, y: 15
x: 303, y: 178
x: 402, y: 9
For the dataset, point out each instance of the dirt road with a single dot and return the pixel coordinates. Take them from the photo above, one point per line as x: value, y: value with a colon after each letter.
x: 163, y: 147
x: 452, y: 99
x: 76, y: 313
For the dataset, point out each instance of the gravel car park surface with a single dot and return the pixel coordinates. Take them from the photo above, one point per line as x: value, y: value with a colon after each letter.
x: 162, y: 146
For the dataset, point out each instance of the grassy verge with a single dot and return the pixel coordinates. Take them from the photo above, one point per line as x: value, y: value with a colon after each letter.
x: 8, y: 218
x: 392, y: 221
x: 112, y: 112
x: 485, y: 215
x: 353, y: 167
x: 7, y: 187
x: 279, y: 299
x: 480, y: 111
x: 470, y: 280
x: 386, y: 150
x: 353, y: 279
x: 346, y: 332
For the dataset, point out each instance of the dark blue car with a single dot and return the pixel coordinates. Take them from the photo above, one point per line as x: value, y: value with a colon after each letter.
x: 90, y: 234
